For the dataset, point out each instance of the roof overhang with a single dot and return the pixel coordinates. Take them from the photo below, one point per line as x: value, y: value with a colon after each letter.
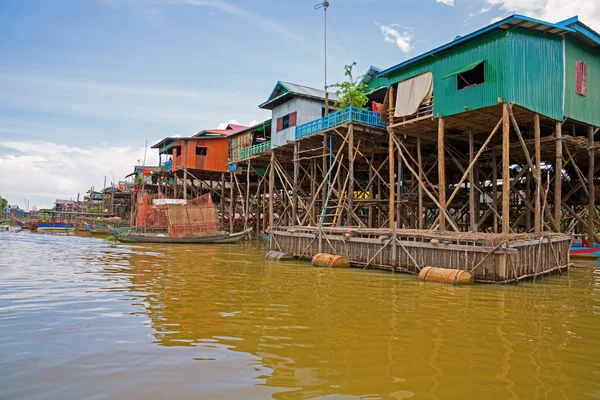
x: 512, y: 21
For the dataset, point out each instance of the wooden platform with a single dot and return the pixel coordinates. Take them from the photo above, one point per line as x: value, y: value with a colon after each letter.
x: 492, y: 258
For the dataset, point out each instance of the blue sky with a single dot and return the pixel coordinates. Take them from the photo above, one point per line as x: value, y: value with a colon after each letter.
x: 83, y: 83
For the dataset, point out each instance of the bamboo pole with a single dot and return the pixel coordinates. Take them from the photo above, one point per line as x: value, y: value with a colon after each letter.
x: 495, y: 189
x: 185, y: 184
x: 370, y: 190
x: 441, y: 171
x: 505, y: 169
x: 231, y: 216
x: 247, y: 203
x: 222, y: 201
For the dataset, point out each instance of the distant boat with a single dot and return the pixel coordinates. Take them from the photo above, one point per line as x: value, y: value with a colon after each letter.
x: 8, y: 228
x: 217, y: 238
x: 578, y: 251
x: 55, y: 226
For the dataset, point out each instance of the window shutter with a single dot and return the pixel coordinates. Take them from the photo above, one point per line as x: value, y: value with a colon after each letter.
x: 293, y: 118
x: 279, y: 124
x: 581, y: 79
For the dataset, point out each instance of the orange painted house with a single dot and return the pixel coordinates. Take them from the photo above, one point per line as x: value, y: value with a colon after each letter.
x: 208, y: 150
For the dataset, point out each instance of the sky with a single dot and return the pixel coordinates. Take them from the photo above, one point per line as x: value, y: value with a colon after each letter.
x: 84, y: 84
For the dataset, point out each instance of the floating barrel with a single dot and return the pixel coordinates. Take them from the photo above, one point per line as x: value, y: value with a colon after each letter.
x: 446, y: 275
x: 331, y: 261
x: 278, y: 256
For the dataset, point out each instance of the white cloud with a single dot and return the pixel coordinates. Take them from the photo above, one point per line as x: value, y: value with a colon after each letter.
x: 401, y: 39
x: 446, y: 2
x: 43, y: 171
x: 223, y: 125
x: 551, y: 10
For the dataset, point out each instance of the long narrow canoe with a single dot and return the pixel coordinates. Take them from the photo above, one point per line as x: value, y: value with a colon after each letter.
x: 585, y: 252
x: 103, y: 229
x: 152, y: 238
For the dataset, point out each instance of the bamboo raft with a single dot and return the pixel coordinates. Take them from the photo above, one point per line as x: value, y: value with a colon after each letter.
x: 491, y: 258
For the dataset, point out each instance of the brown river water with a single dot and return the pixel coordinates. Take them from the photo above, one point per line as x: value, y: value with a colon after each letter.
x: 81, y: 318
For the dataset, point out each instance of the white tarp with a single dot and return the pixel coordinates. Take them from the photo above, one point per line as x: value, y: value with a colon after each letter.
x: 411, y: 93
x: 164, y: 202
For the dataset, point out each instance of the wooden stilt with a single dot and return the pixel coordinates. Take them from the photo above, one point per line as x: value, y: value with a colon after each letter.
x: 537, y: 222
x: 591, y: 190
x: 325, y: 188
x: 350, y: 193
x: 472, y: 219
x: 420, y: 189
x: 295, y: 184
x: 185, y: 184
x: 391, y: 214
x: 271, y: 193
x: 370, y: 190
x: 231, y: 201
x: 222, y: 201
x: 528, y: 198
x: 495, y: 189
x: 399, y: 182
x: 247, y: 202
x: 441, y: 171
x: 505, y: 169
x: 558, y: 176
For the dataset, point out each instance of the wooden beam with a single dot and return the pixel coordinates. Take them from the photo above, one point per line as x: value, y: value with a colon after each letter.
x: 472, y: 220
x: 537, y: 222
x: 271, y: 193
x: 592, y: 197
x: 350, y: 193
x: 231, y: 200
x: 505, y: 169
x: 222, y: 201
x: 441, y: 171
x: 420, y: 188
x: 391, y: 213
x: 558, y: 176
x: 295, y: 184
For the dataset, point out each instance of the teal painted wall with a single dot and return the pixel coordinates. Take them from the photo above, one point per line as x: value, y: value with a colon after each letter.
x: 447, y: 99
x: 585, y: 109
x: 535, y: 71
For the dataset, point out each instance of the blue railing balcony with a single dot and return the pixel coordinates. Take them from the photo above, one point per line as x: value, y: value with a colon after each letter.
x: 337, y: 118
x: 247, y: 152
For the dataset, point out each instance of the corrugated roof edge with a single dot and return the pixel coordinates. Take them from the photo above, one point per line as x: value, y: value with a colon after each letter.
x: 292, y: 92
x: 472, y: 36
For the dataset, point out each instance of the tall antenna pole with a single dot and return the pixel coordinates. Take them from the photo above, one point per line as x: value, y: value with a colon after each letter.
x: 324, y: 6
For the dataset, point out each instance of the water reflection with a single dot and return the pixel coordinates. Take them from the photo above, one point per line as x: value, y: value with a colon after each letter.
x: 245, y: 328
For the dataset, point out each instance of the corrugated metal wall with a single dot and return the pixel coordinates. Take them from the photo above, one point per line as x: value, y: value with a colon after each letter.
x: 582, y: 108
x: 447, y: 99
x: 535, y: 77
x: 308, y: 110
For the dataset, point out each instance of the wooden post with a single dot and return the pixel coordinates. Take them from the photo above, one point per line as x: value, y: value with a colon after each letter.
x: 222, y: 202
x: 495, y: 188
x: 185, y: 184
x: 399, y: 183
x: 505, y: 169
x: 350, y: 194
x: 271, y: 193
x: 537, y: 222
x: 558, y: 176
x: 247, y: 203
x: 394, y: 246
x: 231, y: 200
x: 295, y: 188
x: 420, y: 188
x: 441, y: 171
x: 592, y: 196
x: 472, y: 220
x: 325, y: 188
x: 370, y: 190
x: 528, y: 197
x: 313, y: 190
x: 392, y: 180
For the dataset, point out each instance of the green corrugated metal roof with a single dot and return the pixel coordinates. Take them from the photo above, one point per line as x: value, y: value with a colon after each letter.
x: 463, y: 69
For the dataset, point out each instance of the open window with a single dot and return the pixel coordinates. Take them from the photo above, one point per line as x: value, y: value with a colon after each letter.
x: 286, y: 121
x: 469, y: 75
x: 177, y: 151
x: 201, y: 151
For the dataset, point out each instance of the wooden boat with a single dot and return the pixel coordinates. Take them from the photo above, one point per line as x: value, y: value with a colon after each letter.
x: 219, y: 238
x: 9, y: 228
x: 585, y: 252
x: 103, y: 229
x: 55, y: 226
